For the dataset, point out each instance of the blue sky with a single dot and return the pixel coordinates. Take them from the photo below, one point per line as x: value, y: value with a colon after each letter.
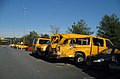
x: 40, y: 14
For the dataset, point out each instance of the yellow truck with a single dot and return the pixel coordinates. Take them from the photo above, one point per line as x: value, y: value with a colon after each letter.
x: 77, y: 46
x: 40, y: 44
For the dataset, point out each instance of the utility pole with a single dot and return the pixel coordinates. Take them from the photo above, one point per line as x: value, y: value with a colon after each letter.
x: 24, y: 13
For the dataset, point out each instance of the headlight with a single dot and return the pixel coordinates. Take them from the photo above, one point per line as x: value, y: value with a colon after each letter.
x: 44, y: 48
x: 99, y: 60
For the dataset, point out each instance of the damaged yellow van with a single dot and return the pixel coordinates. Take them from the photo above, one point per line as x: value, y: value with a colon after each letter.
x: 79, y: 46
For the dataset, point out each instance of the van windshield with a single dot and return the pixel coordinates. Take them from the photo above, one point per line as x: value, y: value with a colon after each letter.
x: 44, y: 42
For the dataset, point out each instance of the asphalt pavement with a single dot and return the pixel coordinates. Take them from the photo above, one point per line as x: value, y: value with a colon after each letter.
x: 20, y: 64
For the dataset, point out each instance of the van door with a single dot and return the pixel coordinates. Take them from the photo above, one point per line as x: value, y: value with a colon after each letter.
x: 67, y: 48
x: 98, y: 45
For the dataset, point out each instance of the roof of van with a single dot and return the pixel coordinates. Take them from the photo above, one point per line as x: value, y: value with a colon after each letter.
x: 76, y: 36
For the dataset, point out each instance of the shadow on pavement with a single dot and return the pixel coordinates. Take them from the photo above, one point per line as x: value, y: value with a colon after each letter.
x: 97, y: 72
x: 52, y: 60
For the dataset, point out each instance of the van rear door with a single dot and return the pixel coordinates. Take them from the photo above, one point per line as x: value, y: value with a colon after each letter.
x: 97, y: 45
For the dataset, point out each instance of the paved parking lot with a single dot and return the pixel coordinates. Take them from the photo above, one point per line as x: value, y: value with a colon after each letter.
x: 20, y: 64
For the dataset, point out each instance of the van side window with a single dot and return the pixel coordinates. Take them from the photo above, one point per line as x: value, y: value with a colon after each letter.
x: 66, y: 41
x: 72, y: 41
x: 108, y: 44
x: 83, y: 41
x: 43, y: 41
x: 97, y: 40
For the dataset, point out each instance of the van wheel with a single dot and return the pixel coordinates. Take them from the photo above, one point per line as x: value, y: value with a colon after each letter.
x: 79, y: 58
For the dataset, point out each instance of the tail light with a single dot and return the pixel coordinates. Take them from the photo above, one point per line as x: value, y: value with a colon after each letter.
x: 37, y: 42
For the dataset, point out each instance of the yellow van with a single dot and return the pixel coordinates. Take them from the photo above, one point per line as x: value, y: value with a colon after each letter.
x: 80, y: 47
x: 41, y: 48
x: 38, y: 42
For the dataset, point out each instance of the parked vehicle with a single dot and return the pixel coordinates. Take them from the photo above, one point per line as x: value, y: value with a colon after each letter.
x: 12, y: 45
x: 16, y: 46
x: 103, y: 58
x: 41, y: 48
x: 38, y: 43
x: 109, y: 58
x: 3, y: 42
x: 22, y: 46
x: 29, y: 48
x: 115, y: 62
x: 78, y: 46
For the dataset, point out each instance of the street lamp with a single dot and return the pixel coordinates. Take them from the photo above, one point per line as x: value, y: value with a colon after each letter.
x: 24, y: 10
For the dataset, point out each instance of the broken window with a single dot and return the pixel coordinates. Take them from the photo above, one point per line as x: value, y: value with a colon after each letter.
x: 83, y: 41
x: 97, y: 41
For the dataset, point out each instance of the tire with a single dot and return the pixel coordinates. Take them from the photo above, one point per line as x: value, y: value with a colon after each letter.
x: 88, y: 62
x: 35, y: 53
x: 79, y: 58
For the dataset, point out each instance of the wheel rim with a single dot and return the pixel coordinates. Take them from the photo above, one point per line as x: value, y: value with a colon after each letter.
x: 80, y: 59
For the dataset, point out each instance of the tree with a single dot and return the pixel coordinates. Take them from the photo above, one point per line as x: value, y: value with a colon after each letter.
x: 80, y: 28
x: 44, y: 35
x: 109, y: 28
x: 30, y: 37
x: 54, y: 29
